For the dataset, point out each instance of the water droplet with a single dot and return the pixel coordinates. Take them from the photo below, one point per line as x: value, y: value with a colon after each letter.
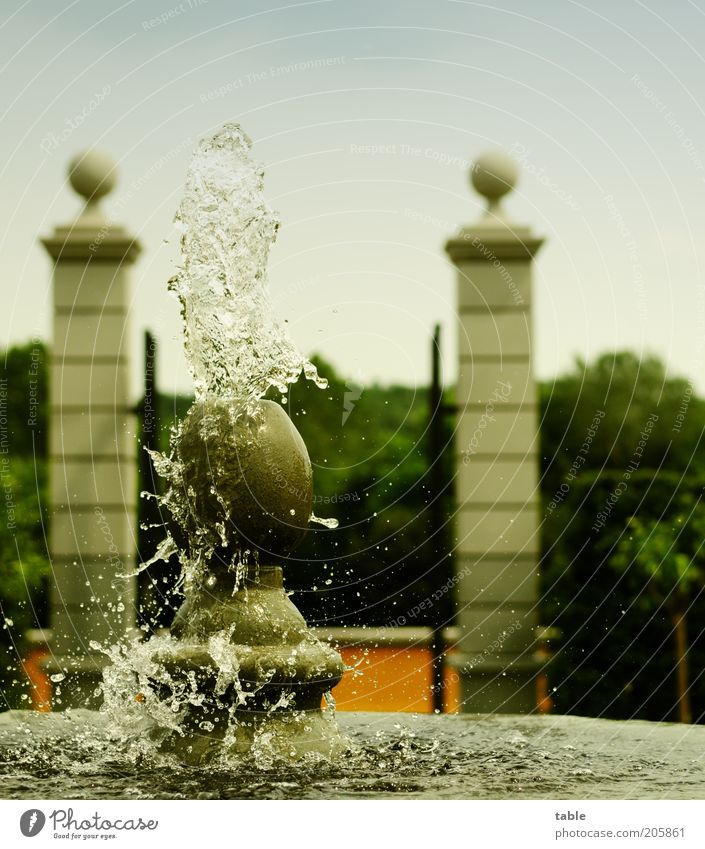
x: 327, y: 523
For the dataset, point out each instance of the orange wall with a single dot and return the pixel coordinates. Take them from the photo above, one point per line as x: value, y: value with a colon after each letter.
x: 392, y: 679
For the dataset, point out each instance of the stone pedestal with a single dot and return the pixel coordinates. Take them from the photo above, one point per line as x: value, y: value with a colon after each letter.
x: 497, y: 445
x: 92, y: 439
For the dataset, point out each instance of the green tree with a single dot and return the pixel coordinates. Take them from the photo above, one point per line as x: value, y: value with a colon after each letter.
x: 623, y: 391
x: 24, y: 564
x: 620, y: 439
x: 667, y: 555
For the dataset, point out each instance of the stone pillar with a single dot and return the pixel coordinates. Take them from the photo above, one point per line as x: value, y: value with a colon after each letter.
x: 92, y: 439
x: 497, y: 445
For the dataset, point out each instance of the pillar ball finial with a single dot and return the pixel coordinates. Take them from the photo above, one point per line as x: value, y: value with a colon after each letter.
x: 93, y: 174
x: 493, y: 175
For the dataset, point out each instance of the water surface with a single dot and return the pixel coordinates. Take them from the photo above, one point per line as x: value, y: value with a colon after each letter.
x: 73, y: 756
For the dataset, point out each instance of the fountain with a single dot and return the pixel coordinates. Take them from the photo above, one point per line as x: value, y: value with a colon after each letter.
x: 229, y: 704
x: 240, y: 665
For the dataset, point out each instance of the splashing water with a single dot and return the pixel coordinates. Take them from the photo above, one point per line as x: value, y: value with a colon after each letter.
x: 235, y: 348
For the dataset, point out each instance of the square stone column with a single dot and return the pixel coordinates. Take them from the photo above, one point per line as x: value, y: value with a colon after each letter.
x: 497, y: 445
x: 92, y: 440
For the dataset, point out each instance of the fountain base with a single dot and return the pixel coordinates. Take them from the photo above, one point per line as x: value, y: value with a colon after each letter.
x: 243, y: 672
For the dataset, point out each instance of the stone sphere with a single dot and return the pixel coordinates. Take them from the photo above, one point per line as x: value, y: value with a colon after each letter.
x: 251, y: 474
x: 93, y: 174
x: 493, y: 174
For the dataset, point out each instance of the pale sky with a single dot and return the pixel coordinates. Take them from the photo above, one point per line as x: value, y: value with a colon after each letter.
x: 601, y: 104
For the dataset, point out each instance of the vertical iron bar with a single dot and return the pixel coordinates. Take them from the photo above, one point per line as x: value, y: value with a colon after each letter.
x: 435, y: 511
x: 148, y: 511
